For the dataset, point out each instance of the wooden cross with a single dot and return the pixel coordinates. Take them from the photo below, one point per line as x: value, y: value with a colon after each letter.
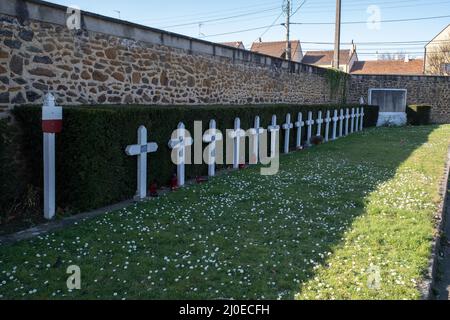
x: 335, y: 124
x: 51, y: 125
x: 347, y: 118
x: 362, y: 119
x: 211, y: 137
x: 299, y: 125
x: 357, y: 120
x: 141, y: 150
x: 256, y: 132
x: 179, y: 144
x: 309, y: 123
x: 341, y: 123
x: 236, y: 135
x: 274, y: 129
x: 319, y: 124
x: 288, y: 126
x: 327, y: 126
x: 352, y: 123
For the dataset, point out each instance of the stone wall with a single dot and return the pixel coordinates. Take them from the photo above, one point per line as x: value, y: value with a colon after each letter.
x: 90, y: 67
x: 116, y: 62
x: 431, y: 90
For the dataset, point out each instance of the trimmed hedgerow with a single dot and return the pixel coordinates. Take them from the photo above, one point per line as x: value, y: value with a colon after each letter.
x: 419, y: 115
x: 92, y: 168
x: 12, y: 181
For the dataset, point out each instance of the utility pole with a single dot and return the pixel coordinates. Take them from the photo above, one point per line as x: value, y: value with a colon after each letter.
x: 288, y: 30
x: 337, y: 39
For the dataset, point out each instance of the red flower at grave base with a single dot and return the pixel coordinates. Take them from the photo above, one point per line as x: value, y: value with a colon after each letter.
x: 317, y: 140
x: 174, y: 183
x: 201, y: 180
x: 153, y: 190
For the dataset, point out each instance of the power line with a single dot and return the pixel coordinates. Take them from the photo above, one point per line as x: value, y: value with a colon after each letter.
x: 270, y: 27
x: 365, y: 22
x: 212, y: 14
x: 234, y: 32
x: 221, y: 19
x: 376, y: 42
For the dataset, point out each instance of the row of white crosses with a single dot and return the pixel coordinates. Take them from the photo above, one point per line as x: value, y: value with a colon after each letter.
x: 343, y: 123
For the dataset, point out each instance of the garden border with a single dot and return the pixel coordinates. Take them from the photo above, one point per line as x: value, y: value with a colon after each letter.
x: 429, y: 282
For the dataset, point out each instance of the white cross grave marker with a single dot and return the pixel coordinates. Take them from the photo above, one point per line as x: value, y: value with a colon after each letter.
x: 327, y: 126
x: 352, y: 125
x: 236, y: 135
x: 256, y: 132
x: 299, y: 125
x: 141, y: 150
x: 319, y: 124
x: 211, y: 137
x: 361, y: 123
x: 347, y: 118
x: 341, y: 123
x: 51, y: 124
x: 288, y: 126
x: 309, y: 123
x: 274, y: 129
x: 357, y: 120
x: 335, y: 124
x: 179, y: 144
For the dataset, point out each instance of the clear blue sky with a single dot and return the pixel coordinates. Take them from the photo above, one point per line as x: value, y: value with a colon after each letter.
x: 242, y: 15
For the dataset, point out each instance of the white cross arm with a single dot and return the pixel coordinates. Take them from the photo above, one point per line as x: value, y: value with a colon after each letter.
x: 135, y: 150
x: 212, y: 137
x: 177, y: 143
x: 274, y: 128
x: 236, y: 134
x: 257, y: 131
x: 288, y: 126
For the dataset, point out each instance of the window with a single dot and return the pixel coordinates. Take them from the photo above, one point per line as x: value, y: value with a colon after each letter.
x: 389, y: 100
x: 445, y: 68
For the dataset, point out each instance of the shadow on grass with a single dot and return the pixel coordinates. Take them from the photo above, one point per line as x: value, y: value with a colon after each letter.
x: 240, y: 236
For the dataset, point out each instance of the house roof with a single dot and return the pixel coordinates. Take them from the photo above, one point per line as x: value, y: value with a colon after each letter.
x: 326, y: 57
x: 275, y: 49
x: 400, y: 67
x: 235, y: 44
x: 443, y: 30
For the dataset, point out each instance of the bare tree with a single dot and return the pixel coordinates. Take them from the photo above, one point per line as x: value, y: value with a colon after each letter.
x: 392, y: 56
x: 438, y: 60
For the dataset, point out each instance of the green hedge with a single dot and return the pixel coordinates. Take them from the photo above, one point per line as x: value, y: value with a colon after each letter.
x: 92, y: 168
x: 419, y: 114
x: 12, y: 181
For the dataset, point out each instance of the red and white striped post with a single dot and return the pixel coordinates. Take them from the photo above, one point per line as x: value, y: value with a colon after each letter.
x: 51, y: 125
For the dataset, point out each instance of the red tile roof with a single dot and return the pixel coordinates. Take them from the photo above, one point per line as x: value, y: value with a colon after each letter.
x: 274, y: 49
x: 326, y: 57
x: 236, y: 44
x: 413, y: 67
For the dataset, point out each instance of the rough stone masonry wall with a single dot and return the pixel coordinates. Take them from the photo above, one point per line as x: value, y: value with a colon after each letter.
x: 430, y: 90
x: 97, y: 68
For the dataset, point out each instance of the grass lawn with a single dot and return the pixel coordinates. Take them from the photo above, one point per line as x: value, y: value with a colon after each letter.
x: 317, y: 230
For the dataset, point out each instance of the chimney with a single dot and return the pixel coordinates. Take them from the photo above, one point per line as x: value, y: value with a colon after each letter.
x: 353, y: 50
